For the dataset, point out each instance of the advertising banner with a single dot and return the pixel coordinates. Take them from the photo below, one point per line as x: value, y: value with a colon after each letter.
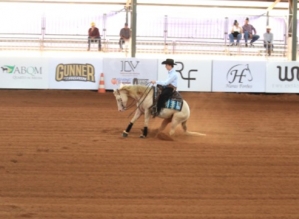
x: 239, y: 76
x: 282, y: 77
x: 75, y: 73
x: 24, y: 73
x: 128, y: 71
x: 193, y: 75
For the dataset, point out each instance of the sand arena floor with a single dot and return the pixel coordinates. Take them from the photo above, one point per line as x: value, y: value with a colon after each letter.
x: 62, y: 156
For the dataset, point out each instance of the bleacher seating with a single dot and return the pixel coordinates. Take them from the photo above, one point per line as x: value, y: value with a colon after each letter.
x: 143, y: 45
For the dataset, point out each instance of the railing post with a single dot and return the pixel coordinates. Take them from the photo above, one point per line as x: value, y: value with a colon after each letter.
x: 104, y: 32
x: 43, y: 31
x: 165, y: 33
x: 173, y: 46
x: 225, y: 30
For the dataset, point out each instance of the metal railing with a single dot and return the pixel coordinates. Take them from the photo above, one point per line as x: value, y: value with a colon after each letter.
x: 143, y: 45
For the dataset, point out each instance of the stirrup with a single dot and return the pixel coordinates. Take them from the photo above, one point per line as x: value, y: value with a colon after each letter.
x: 154, y: 110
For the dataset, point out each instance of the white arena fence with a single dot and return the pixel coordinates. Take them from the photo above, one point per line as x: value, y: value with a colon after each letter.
x: 194, y: 75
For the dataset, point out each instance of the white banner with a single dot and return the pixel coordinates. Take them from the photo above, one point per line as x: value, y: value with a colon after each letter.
x: 128, y: 71
x: 193, y: 75
x: 239, y: 76
x: 75, y: 73
x: 24, y: 73
x: 282, y: 77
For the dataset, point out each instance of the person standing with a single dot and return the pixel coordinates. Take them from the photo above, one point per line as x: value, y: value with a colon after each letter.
x: 94, y: 36
x: 249, y: 33
x: 168, y: 87
x: 125, y: 35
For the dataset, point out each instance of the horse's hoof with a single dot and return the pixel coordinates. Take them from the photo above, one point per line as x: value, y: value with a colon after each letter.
x: 141, y: 136
x: 125, y: 134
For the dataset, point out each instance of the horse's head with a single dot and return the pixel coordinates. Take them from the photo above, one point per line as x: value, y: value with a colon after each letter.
x: 121, y: 97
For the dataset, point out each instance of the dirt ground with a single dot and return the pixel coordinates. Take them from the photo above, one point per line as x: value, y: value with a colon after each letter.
x: 62, y: 156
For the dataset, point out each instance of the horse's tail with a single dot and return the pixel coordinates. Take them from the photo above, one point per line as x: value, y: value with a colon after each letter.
x: 184, y: 126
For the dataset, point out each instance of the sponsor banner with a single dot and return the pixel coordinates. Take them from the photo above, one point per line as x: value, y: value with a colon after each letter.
x: 282, y: 77
x: 193, y: 75
x: 128, y: 71
x: 24, y: 73
x: 75, y: 73
x: 239, y: 76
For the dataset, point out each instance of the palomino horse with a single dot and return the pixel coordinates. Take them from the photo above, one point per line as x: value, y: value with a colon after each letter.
x: 143, y: 95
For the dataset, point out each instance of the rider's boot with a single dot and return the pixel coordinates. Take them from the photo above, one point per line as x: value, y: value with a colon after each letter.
x: 154, y: 111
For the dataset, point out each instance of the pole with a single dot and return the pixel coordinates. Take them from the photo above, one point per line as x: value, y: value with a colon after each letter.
x: 294, y: 30
x: 134, y: 27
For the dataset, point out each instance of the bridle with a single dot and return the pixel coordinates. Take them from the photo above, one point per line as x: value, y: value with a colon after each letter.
x: 142, y: 98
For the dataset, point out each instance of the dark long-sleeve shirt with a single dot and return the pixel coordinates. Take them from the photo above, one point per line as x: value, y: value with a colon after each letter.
x: 249, y: 28
x: 94, y: 32
x: 125, y: 33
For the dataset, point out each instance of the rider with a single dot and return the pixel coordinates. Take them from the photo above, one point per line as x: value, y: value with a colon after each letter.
x: 168, y: 87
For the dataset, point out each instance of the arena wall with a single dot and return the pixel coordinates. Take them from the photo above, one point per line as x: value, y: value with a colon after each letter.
x: 194, y: 75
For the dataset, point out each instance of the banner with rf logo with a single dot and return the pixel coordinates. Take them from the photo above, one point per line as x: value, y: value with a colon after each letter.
x: 193, y: 75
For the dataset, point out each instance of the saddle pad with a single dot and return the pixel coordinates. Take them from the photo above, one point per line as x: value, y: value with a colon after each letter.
x: 174, y: 104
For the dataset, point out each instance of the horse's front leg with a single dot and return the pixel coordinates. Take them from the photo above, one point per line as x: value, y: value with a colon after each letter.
x: 135, y: 117
x: 146, y: 121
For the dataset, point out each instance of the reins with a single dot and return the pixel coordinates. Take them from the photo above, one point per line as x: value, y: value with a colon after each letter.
x: 142, y: 98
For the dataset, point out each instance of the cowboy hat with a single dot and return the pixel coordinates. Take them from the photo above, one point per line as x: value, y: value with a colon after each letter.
x: 268, y: 27
x: 168, y: 62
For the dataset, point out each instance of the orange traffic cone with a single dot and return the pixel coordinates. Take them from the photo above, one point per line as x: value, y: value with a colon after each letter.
x: 102, y: 84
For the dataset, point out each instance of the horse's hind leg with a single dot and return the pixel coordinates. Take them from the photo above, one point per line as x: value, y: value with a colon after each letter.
x: 163, y: 125
x: 174, y: 124
x: 184, y: 126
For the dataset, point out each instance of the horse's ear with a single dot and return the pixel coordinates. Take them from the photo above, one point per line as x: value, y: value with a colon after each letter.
x: 121, y: 85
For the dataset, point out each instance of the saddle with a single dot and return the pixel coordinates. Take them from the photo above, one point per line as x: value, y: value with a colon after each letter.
x: 175, y: 101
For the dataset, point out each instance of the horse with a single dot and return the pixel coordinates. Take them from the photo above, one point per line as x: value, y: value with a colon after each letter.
x: 4, y: 69
x: 143, y: 96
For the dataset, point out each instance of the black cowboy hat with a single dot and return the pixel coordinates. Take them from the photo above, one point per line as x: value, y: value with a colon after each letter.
x: 168, y: 62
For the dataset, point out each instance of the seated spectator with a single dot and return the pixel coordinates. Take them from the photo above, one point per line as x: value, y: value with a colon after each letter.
x: 94, y: 36
x: 249, y: 32
x: 125, y: 35
x: 236, y: 33
x: 268, y: 40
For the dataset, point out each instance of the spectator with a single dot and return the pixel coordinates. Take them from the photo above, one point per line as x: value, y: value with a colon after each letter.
x: 236, y: 33
x: 94, y: 36
x: 268, y: 40
x: 249, y: 32
x: 124, y: 36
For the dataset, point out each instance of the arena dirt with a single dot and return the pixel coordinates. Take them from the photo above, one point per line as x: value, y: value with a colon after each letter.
x: 62, y: 156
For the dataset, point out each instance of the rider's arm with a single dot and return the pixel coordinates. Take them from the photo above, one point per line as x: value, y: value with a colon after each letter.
x: 168, y: 81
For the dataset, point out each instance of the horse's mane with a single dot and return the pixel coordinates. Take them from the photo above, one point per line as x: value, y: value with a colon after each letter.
x: 134, y: 90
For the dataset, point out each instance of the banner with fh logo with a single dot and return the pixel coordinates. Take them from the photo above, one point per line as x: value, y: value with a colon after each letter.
x: 128, y: 71
x: 75, y: 73
x: 24, y: 73
x: 282, y: 77
x: 239, y: 76
x: 193, y: 75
